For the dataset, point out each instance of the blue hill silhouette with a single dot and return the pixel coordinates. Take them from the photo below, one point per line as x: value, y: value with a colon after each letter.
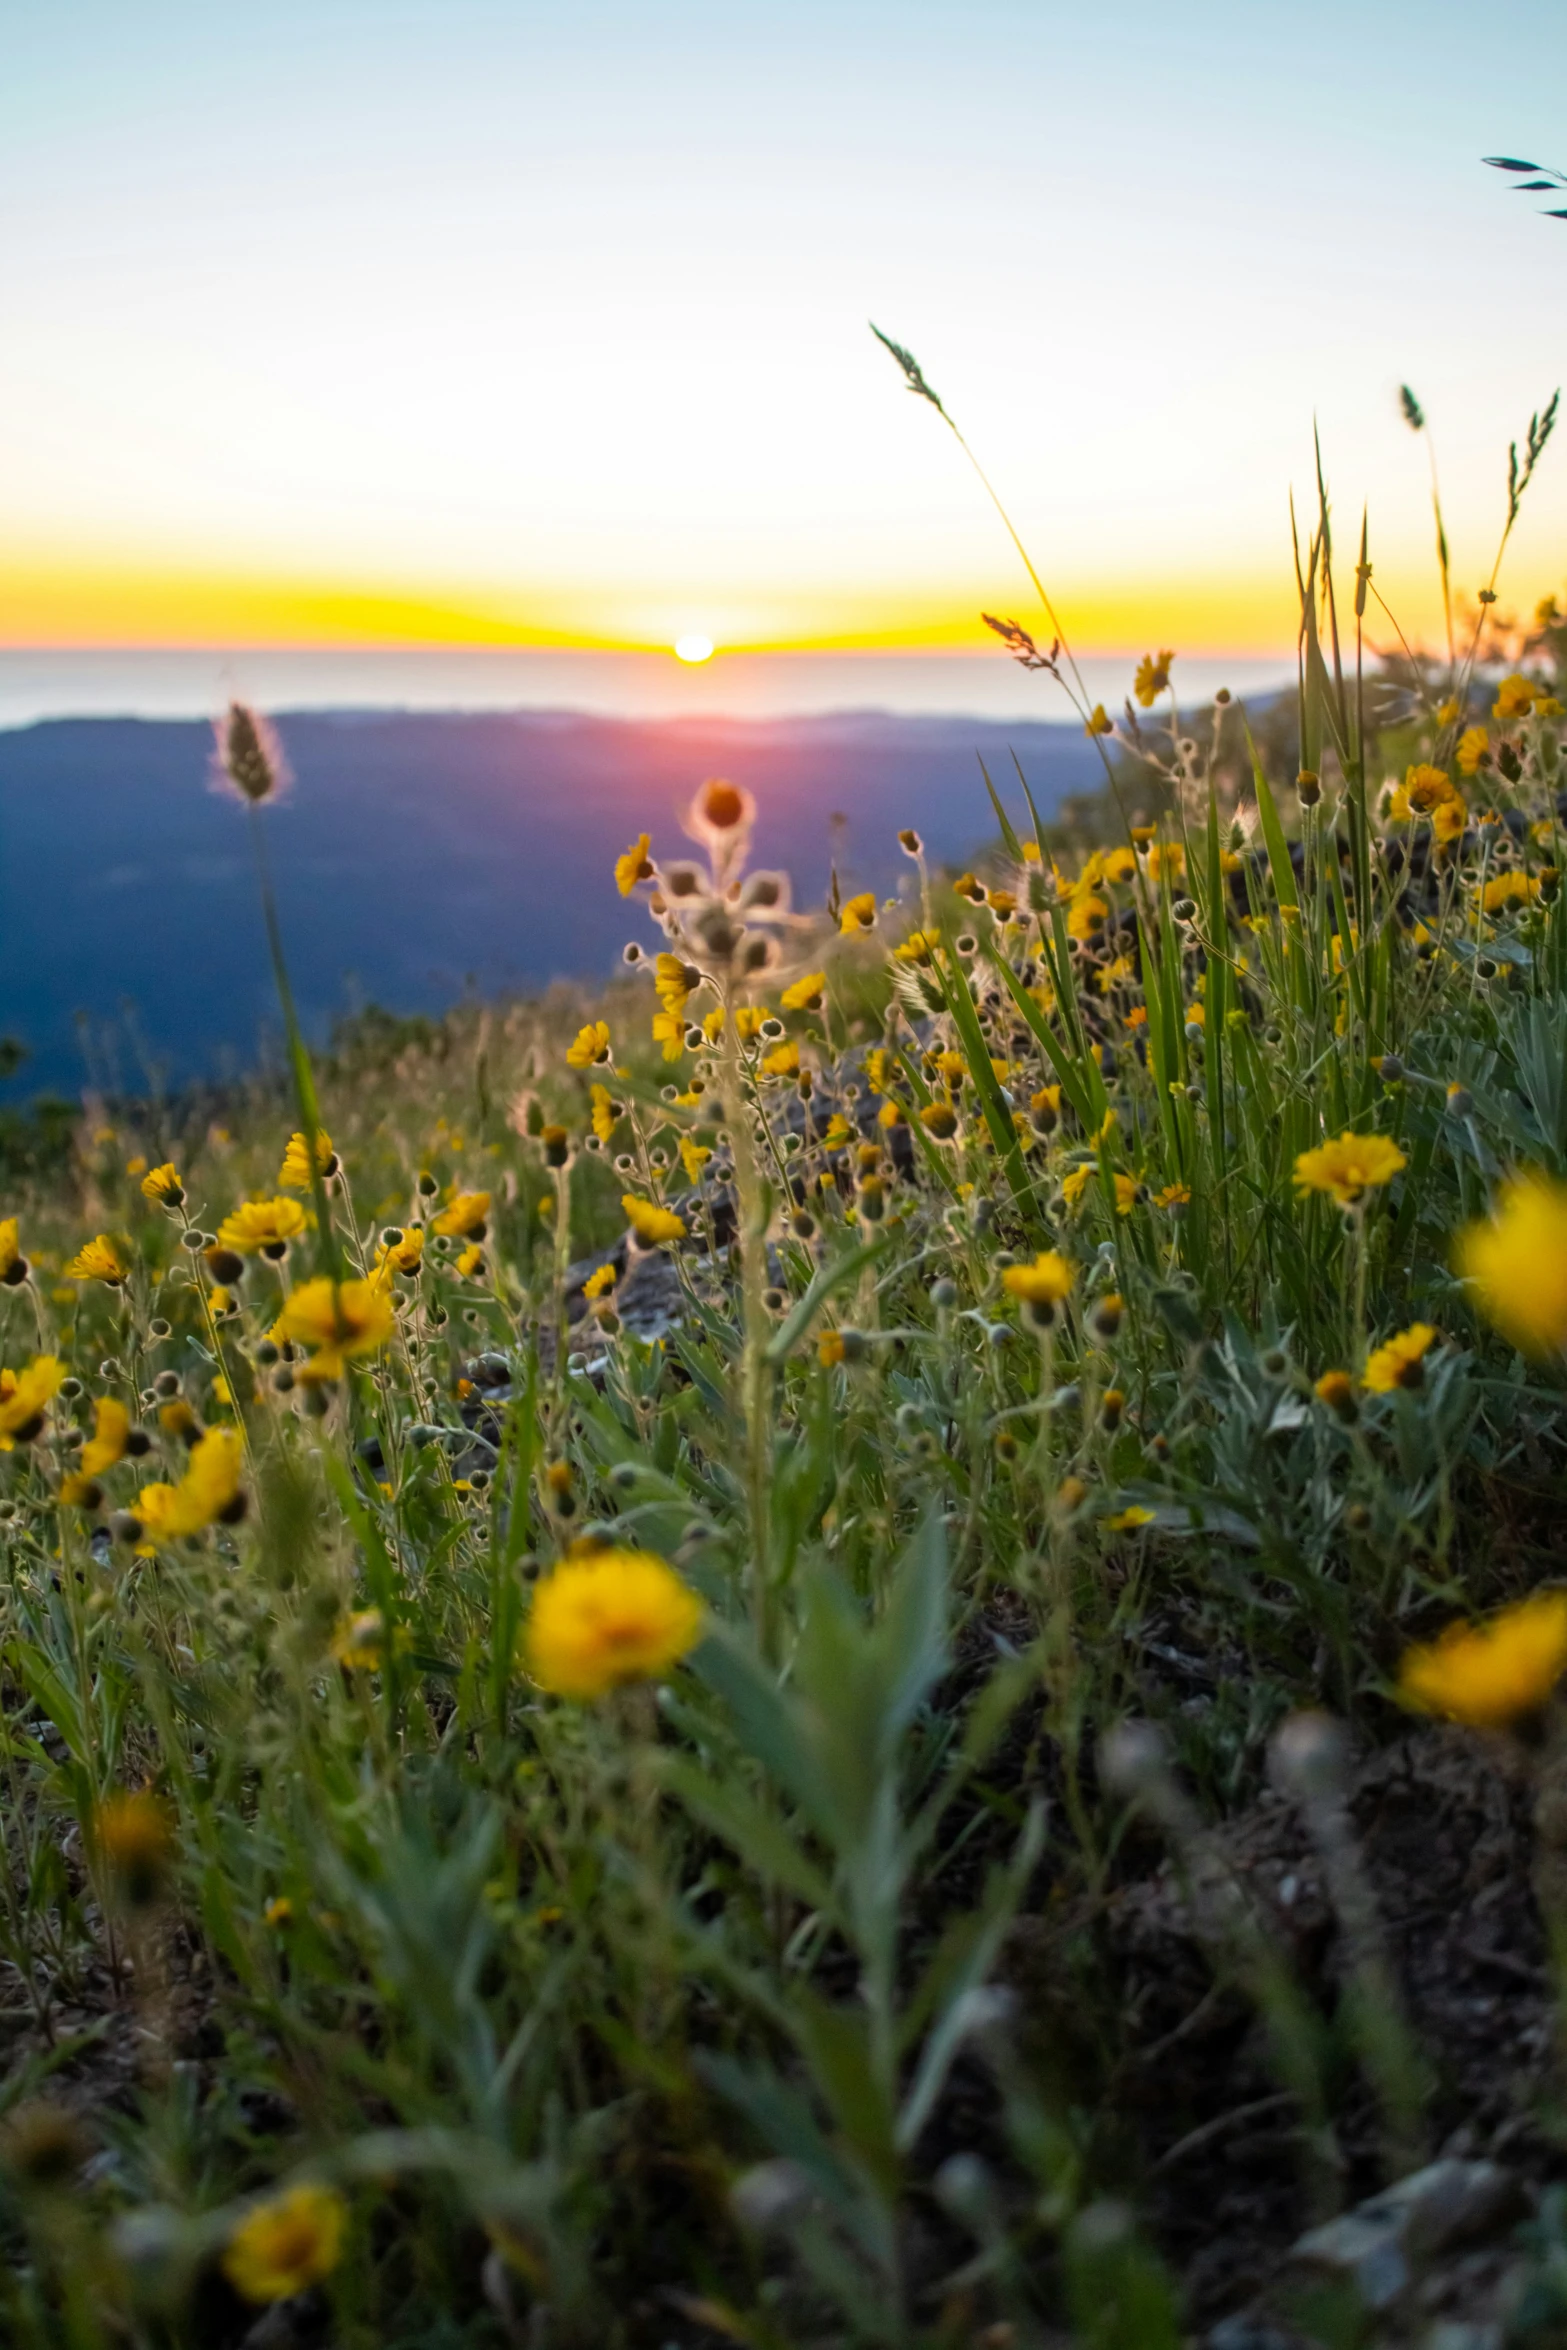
x: 416, y: 856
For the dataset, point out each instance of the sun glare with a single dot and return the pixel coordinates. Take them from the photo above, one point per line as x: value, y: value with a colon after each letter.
x: 693, y: 648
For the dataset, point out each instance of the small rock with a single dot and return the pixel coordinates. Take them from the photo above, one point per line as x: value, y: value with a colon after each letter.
x: 1380, y: 2247
x: 1249, y: 2333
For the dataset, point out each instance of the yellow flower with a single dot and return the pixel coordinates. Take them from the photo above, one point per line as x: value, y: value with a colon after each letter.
x: 693, y: 1157
x: 633, y: 866
x: 470, y: 1261
x: 669, y: 1030
x: 1096, y: 722
x: 1516, y: 1264
x: 1167, y: 861
x: 401, y: 1256
x: 604, y: 1112
x: 674, y: 982
x: 133, y: 1840
x: 1349, y: 1167
x: 286, y: 2243
x: 940, y: 1120
x: 806, y: 993
x: 163, y: 1186
x: 1515, y: 698
x: 858, y: 914
x: 1337, y: 1390
x: 1401, y: 1361
x: 1491, y: 1674
x: 11, y: 1253
x: 342, y: 1320
x: 918, y: 947
x: 1127, y: 1192
x: 1153, y: 677
x: 1127, y: 1521
x: 294, y: 1174
x: 98, y: 1261
x: 1174, y: 1195
x: 590, y: 1045
x: 463, y: 1218
x: 1504, y: 891
x: 23, y: 1395
x: 1449, y: 713
x: 1087, y: 916
x: 597, y: 1283
x: 262, y: 1226
x: 783, y: 1061
x: 1448, y: 821
x: 1074, y: 1183
x: 652, y: 1224
x: 210, y: 1491
x: 356, y: 1643
x: 609, y: 1618
x: 1423, y: 790
x: 1046, y: 1282
x: 1474, y: 750
x: 111, y: 1434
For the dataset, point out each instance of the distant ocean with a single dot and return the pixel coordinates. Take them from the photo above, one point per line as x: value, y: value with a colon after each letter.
x: 984, y: 684
x: 451, y: 824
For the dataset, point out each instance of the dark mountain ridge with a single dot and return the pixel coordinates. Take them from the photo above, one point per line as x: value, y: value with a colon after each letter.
x: 417, y: 855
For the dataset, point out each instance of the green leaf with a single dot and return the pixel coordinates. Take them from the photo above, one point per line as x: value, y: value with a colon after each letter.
x: 1014, y: 845
x: 960, y: 1966
x: 760, y: 1840
x: 769, y: 1726
x: 960, y: 1003
x: 831, y: 1277
x: 1068, y: 1070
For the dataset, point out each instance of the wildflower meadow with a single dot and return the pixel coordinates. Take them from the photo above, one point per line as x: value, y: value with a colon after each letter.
x: 856, y: 1646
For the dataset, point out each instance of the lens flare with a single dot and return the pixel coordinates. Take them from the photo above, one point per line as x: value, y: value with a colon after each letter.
x: 694, y: 649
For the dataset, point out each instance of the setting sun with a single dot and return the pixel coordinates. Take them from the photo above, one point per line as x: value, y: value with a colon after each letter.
x: 694, y: 649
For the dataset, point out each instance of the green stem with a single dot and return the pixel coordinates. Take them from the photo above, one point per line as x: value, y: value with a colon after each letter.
x: 756, y: 1375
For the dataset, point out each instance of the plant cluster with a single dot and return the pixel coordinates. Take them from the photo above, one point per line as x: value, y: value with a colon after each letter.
x: 552, y: 1632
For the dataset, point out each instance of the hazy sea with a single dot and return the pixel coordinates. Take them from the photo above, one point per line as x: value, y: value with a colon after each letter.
x: 451, y: 822
x: 193, y: 684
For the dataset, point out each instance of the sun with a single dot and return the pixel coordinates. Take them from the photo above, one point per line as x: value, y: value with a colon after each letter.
x: 694, y: 649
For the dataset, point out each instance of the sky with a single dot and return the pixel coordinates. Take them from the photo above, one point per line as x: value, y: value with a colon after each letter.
x: 367, y: 322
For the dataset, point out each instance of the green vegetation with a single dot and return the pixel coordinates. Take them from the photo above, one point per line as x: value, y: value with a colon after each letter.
x: 603, y: 1650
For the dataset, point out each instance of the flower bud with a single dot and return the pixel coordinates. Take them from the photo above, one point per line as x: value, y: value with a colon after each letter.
x: 1308, y: 1756
x: 248, y: 754
x: 1132, y: 1759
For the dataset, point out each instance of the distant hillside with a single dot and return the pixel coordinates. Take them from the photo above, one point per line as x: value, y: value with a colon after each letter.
x: 416, y: 856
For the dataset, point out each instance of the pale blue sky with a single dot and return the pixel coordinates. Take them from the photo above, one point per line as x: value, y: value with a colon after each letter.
x: 550, y: 310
